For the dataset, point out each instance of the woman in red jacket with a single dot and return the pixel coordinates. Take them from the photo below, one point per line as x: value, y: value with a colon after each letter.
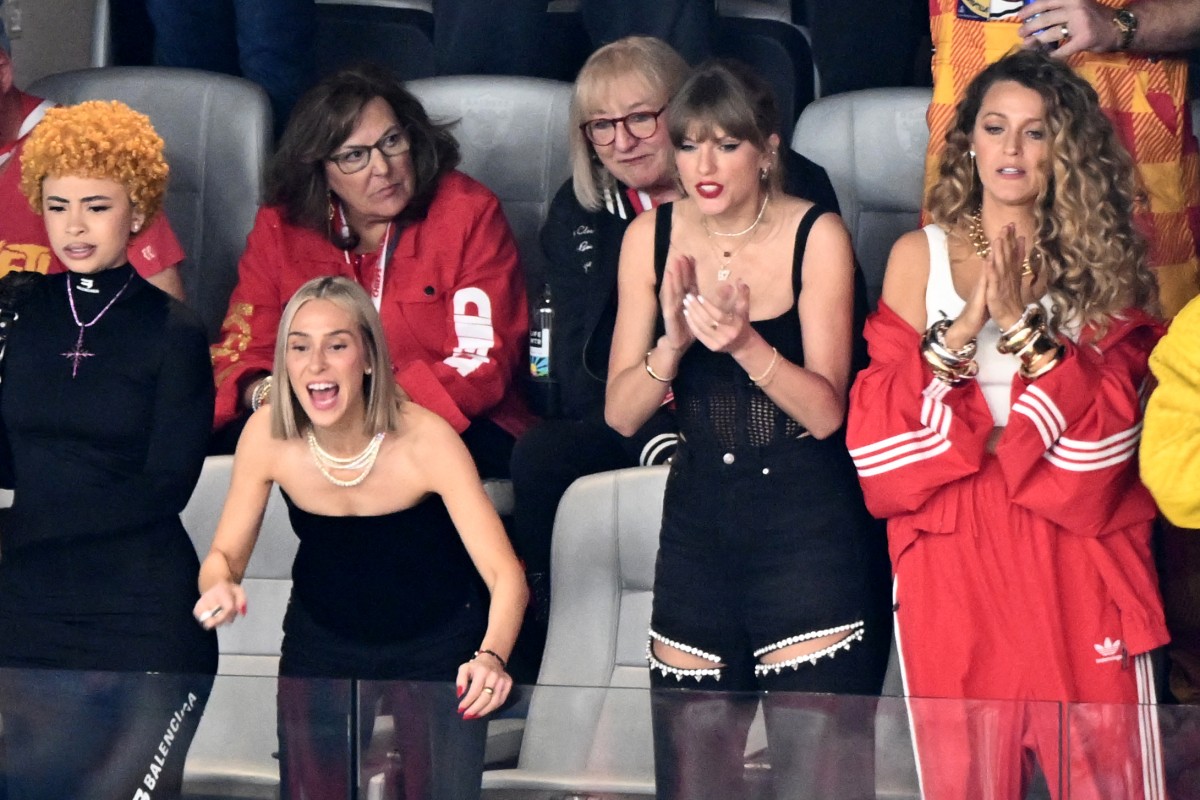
x: 364, y: 186
x: 997, y: 428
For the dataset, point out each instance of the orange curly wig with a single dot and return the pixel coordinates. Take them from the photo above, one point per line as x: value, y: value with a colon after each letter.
x: 97, y: 139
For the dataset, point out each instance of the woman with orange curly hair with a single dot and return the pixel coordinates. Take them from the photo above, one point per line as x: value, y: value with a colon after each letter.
x: 996, y: 430
x: 105, y: 403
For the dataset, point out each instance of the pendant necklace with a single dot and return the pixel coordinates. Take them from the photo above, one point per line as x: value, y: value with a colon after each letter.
x: 364, y: 461
x: 983, y: 247
x: 725, y: 256
x: 78, y: 354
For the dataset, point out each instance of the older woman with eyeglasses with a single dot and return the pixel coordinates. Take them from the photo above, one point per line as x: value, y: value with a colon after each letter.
x: 364, y: 186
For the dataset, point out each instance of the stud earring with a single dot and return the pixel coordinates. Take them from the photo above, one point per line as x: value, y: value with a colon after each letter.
x: 135, y: 227
x: 971, y: 153
x: 367, y: 371
x: 763, y: 173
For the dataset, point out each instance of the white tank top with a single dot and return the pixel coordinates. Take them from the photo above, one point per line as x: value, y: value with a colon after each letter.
x: 996, y: 370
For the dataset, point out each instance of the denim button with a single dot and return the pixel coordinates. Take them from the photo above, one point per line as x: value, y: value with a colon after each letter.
x: 727, y: 458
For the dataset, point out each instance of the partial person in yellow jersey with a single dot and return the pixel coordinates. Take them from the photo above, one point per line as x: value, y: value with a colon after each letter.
x: 1118, y: 46
x: 1170, y: 465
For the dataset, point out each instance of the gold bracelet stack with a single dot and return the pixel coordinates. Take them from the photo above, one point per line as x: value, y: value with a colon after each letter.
x: 769, y: 373
x: 949, y: 365
x: 1029, y: 340
x: 650, y: 370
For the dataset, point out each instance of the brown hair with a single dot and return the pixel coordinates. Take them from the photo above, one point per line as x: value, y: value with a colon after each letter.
x: 728, y: 96
x: 324, y: 118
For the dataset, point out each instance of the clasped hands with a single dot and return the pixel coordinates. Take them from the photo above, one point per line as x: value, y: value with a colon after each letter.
x: 1002, y: 292
x: 720, y: 321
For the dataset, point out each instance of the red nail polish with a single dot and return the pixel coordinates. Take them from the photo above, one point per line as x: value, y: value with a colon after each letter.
x: 470, y: 716
x: 460, y: 690
x: 243, y: 610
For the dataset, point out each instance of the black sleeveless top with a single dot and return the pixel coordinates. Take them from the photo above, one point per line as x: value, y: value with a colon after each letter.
x: 384, y: 578
x: 716, y: 403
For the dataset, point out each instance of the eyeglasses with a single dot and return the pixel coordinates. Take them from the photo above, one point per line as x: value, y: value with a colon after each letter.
x: 356, y: 158
x: 639, y: 125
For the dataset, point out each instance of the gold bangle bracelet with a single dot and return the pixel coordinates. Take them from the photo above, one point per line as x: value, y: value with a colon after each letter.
x: 650, y: 370
x: 765, y: 377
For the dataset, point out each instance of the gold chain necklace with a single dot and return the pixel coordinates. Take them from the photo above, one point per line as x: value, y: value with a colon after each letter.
x: 726, y: 256
x: 983, y: 248
x: 364, y: 461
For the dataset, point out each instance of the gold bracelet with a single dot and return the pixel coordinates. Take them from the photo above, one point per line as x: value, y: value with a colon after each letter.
x: 650, y: 370
x: 949, y: 365
x: 1018, y: 335
x: 261, y: 392
x: 765, y: 378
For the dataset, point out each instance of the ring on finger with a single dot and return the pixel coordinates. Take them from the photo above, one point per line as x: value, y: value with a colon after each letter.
x: 207, y: 615
x: 488, y: 690
x: 715, y: 324
x: 1062, y: 29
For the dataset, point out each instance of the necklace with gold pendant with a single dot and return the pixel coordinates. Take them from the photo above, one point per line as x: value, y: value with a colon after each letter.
x: 725, y: 256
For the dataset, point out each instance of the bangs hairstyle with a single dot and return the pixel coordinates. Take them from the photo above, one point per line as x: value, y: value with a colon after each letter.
x: 644, y: 59
x: 728, y: 96
x: 383, y: 396
x: 321, y: 123
x: 98, y: 139
x: 1083, y: 215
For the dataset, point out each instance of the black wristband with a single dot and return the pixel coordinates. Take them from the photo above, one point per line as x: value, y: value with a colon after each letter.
x: 493, y: 654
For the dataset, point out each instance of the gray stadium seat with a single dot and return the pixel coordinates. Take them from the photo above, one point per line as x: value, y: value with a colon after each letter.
x: 872, y: 143
x: 217, y: 131
x: 513, y: 135
x: 596, y: 740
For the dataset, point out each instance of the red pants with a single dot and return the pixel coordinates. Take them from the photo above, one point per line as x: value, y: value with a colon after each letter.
x: 1019, y: 617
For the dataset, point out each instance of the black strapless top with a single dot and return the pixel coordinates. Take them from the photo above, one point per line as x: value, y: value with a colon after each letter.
x: 384, y: 578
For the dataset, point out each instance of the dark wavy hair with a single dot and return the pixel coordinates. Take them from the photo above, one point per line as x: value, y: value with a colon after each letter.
x: 1084, y: 213
x: 324, y: 118
x: 727, y: 95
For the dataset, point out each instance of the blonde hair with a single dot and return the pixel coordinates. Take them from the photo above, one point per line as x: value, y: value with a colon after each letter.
x: 1086, y: 239
x: 384, y: 397
x: 97, y: 139
x: 644, y: 58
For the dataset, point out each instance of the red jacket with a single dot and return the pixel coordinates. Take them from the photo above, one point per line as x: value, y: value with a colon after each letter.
x: 453, y: 307
x: 1068, y: 454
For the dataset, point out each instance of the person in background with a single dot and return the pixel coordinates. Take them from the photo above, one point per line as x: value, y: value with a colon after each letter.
x: 154, y: 251
x: 739, y: 300
x: 996, y: 429
x: 269, y: 42
x: 364, y: 185
x: 105, y: 408
x: 395, y: 534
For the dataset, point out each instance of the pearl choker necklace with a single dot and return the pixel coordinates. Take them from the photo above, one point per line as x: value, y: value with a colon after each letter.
x: 364, y: 461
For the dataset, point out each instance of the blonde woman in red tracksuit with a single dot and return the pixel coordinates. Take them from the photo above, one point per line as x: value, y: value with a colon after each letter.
x: 997, y: 428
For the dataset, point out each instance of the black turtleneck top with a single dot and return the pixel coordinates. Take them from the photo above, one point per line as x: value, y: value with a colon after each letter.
x: 97, y: 571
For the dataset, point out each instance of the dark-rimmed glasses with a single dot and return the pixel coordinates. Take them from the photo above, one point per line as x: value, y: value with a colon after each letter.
x: 356, y: 158
x: 639, y: 125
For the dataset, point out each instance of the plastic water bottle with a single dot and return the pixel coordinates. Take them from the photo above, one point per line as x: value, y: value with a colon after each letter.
x: 541, y: 367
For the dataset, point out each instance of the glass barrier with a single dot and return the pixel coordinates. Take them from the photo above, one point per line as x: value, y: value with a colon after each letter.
x: 113, y: 735
x: 1134, y: 751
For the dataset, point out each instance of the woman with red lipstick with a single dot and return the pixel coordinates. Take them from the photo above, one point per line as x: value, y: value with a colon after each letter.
x: 395, y: 534
x: 997, y: 430
x: 364, y: 186
x: 105, y: 403
x: 739, y: 299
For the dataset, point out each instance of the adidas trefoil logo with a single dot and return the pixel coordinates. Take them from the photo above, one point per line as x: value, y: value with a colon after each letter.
x: 1109, y: 650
